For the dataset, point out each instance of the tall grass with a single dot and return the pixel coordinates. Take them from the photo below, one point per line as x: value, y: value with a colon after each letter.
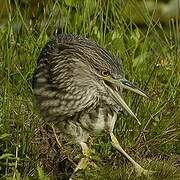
x: 151, y: 59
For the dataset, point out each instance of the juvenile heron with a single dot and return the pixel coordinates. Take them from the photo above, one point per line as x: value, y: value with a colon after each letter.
x: 78, y: 88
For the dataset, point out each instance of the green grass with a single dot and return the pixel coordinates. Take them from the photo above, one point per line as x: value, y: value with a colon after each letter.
x: 151, y: 59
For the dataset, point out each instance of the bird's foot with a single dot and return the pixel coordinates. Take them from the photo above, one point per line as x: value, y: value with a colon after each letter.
x: 141, y: 171
x: 83, y: 164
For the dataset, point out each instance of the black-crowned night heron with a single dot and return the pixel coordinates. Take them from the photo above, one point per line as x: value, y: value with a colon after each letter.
x: 78, y: 88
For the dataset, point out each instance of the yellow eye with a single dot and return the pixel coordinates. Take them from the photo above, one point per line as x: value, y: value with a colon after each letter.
x: 105, y: 73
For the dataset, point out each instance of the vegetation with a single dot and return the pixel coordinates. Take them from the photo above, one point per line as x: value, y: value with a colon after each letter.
x: 150, y: 53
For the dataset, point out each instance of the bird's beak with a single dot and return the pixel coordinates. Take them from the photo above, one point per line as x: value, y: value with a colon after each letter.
x: 117, y: 97
x: 128, y: 85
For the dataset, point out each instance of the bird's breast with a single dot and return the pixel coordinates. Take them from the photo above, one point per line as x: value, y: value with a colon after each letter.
x: 83, y: 124
x: 98, y: 120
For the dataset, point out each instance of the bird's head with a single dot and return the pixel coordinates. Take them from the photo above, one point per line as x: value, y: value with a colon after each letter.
x: 115, y: 85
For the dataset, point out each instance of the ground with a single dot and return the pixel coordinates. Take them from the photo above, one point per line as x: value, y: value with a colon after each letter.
x: 150, y: 54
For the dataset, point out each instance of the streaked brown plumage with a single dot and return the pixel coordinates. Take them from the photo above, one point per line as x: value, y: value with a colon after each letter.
x: 78, y: 88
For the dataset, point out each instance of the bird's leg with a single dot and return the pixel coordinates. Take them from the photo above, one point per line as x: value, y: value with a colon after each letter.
x: 140, y: 170
x: 84, y: 162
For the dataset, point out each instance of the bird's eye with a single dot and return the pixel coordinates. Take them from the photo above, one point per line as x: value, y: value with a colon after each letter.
x: 105, y: 73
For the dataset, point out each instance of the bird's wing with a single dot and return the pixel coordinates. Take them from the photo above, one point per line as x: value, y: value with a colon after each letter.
x: 58, y: 89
